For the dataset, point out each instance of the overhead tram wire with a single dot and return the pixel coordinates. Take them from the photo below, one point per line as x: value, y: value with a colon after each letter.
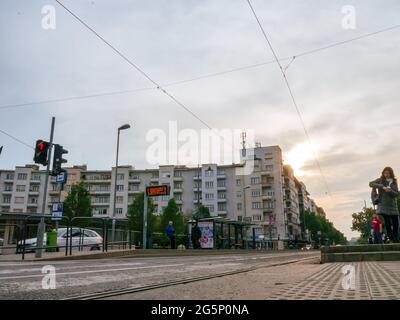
x: 291, y: 95
x: 16, y: 139
x: 205, y: 76
x: 119, y: 53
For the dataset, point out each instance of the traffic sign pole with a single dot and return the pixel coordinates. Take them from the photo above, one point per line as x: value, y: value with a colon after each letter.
x: 145, y: 221
x: 42, y: 226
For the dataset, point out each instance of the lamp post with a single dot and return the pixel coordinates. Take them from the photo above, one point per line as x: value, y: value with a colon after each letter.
x: 244, y: 208
x: 124, y: 127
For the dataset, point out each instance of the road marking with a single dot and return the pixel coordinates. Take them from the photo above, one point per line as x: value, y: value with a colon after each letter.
x: 91, y: 271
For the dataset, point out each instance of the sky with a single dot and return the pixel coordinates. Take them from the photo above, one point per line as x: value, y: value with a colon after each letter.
x: 347, y: 95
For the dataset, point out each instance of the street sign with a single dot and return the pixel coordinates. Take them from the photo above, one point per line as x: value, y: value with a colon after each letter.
x: 155, y: 191
x: 62, y: 178
x: 57, y: 210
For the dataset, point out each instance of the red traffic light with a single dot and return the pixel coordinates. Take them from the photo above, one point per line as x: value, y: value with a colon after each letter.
x: 42, y: 146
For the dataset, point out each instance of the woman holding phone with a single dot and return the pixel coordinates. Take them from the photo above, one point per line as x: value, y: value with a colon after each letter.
x: 387, y: 203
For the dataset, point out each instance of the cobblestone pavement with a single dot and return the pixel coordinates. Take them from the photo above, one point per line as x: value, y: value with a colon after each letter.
x: 307, y: 280
x: 373, y: 280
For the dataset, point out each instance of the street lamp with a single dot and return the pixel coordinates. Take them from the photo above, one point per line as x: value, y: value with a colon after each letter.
x: 124, y: 127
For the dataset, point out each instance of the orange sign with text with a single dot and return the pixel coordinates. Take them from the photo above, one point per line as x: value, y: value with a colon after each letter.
x: 155, y: 191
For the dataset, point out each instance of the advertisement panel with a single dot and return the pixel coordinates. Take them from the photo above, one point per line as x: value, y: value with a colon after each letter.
x: 207, y: 234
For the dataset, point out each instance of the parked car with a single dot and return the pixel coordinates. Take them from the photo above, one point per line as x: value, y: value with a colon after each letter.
x: 80, y: 236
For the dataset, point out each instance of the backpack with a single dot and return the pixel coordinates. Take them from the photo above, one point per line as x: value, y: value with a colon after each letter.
x: 375, y: 197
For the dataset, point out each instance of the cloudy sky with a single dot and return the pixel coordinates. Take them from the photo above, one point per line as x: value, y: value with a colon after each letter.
x: 348, y: 95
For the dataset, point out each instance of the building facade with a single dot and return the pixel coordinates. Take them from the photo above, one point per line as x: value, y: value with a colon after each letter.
x: 268, y: 194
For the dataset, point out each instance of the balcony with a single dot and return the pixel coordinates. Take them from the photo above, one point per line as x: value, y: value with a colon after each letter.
x: 267, y: 198
x: 99, y: 191
x: 133, y: 191
x: 223, y: 213
x: 222, y: 200
x: 221, y: 176
x: 178, y: 178
x: 197, y: 177
x: 195, y: 189
x: 35, y: 181
x: 178, y: 190
x: 179, y: 201
x: 134, y: 179
x: 195, y: 201
x: 32, y: 204
x: 7, y: 191
x: 154, y: 179
x: 221, y: 188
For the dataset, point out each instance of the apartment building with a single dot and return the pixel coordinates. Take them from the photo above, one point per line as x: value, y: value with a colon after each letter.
x: 268, y: 194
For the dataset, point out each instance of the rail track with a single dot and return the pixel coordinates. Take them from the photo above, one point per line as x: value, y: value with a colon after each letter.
x: 119, y: 292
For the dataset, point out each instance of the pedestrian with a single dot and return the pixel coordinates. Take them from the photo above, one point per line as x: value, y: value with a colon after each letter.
x: 377, y: 229
x: 388, y: 192
x: 170, y: 230
x: 196, y: 235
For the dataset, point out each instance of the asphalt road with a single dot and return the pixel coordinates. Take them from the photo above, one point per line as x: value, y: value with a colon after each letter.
x: 23, y: 280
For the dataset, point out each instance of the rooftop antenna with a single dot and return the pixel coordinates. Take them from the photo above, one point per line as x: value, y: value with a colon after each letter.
x: 243, y: 136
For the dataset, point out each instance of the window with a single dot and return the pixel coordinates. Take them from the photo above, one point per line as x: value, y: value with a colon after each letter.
x: 209, y: 196
x: 210, y: 208
x: 20, y: 188
x: 10, y: 176
x: 269, y: 205
x: 178, y: 185
x: 36, y: 177
x: 255, y: 180
x: 118, y: 210
x: 221, y: 206
x: 238, y: 182
x: 269, y: 167
x: 209, y: 173
x: 120, y: 176
x: 6, y: 199
x: 8, y: 187
x: 209, y: 184
x: 134, y: 177
x: 165, y: 198
x: 22, y: 176
x: 119, y: 199
x: 19, y: 200
x: 238, y: 194
x: 33, y: 200
x: 255, y: 193
x: 239, y: 206
x: 257, y: 217
x: 221, y: 195
x: 178, y: 174
x: 178, y: 196
x: 120, y: 187
x: 100, y: 211
x: 221, y: 183
x: 134, y: 187
x: 256, y: 205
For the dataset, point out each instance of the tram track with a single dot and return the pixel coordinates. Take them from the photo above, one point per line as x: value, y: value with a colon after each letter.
x: 119, y: 292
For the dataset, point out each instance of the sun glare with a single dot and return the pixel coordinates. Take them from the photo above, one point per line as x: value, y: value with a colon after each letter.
x: 297, y: 158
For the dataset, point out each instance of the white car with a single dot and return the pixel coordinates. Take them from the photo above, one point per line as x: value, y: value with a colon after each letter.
x: 86, y: 237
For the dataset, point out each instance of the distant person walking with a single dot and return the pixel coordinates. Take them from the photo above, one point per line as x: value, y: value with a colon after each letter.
x: 388, y: 192
x: 377, y: 229
x: 171, y: 234
x: 196, y: 235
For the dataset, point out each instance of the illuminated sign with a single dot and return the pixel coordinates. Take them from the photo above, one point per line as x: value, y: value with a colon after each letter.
x: 155, y: 191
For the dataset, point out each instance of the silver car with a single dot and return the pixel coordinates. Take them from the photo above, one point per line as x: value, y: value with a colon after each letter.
x: 80, y: 237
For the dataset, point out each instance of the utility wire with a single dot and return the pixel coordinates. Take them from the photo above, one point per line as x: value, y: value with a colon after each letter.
x: 134, y: 66
x: 291, y: 95
x: 205, y: 76
x: 16, y: 139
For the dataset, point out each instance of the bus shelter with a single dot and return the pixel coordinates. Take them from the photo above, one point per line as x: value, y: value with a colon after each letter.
x: 222, y: 233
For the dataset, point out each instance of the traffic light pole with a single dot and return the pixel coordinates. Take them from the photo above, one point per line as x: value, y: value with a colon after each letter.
x: 42, y: 226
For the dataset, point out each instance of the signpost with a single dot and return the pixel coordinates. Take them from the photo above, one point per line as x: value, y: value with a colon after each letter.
x: 152, y: 191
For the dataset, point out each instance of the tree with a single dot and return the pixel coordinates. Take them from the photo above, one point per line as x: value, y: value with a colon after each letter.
x: 135, y: 214
x: 202, y: 213
x: 173, y: 213
x: 78, y: 204
x: 362, y: 222
x: 321, y: 228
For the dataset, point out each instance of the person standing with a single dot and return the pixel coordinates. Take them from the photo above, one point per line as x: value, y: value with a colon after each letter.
x: 377, y: 229
x: 171, y: 234
x: 388, y: 190
x: 196, y: 235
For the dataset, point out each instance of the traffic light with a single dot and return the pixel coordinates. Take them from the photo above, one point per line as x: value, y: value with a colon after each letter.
x: 58, y: 159
x: 41, y: 152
